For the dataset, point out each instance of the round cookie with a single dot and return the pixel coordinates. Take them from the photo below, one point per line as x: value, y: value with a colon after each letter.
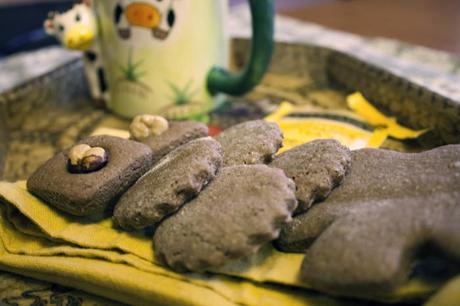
x: 178, y: 133
x: 83, y: 194
x: 251, y: 142
x: 240, y: 210
x: 179, y: 176
x: 316, y: 168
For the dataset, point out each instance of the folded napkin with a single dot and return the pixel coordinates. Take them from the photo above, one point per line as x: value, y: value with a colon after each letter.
x: 448, y: 295
x: 90, y: 254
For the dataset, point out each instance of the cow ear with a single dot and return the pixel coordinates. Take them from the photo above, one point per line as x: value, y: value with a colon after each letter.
x: 49, y: 27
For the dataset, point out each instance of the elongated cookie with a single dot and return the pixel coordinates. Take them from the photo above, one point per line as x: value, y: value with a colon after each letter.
x: 240, y: 210
x: 316, y: 168
x: 365, y: 238
x: 251, y: 142
x: 177, y: 134
x: 89, y: 177
x: 179, y: 176
x: 376, y: 175
x: 374, y: 250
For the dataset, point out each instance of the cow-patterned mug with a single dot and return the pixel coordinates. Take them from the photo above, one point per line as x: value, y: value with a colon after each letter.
x: 165, y: 57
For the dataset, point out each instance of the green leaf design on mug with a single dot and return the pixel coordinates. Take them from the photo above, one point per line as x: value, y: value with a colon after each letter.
x: 182, y: 96
x: 130, y: 71
x: 185, y: 107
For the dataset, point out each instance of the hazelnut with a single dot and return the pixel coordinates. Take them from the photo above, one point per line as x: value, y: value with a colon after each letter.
x: 144, y: 126
x: 84, y: 159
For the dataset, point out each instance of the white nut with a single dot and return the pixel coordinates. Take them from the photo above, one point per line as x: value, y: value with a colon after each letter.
x: 77, y: 153
x: 143, y: 126
x: 84, y: 159
x: 96, y: 151
x: 138, y: 129
x: 157, y: 124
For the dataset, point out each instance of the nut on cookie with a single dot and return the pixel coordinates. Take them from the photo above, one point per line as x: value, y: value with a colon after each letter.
x: 84, y: 159
x: 144, y: 126
x: 117, y: 163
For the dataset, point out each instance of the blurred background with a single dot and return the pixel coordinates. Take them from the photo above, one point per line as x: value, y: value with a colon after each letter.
x: 430, y: 23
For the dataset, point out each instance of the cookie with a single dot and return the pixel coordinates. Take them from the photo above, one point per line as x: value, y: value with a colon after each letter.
x: 364, y: 238
x: 240, y: 210
x: 316, y: 168
x: 376, y: 174
x: 177, y: 134
x: 83, y: 194
x: 179, y: 176
x: 251, y: 142
x: 374, y: 250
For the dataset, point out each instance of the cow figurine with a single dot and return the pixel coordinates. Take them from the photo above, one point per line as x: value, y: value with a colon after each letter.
x: 77, y: 29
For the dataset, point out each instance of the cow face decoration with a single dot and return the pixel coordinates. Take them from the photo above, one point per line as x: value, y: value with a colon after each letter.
x: 159, y: 18
x: 76, y: 28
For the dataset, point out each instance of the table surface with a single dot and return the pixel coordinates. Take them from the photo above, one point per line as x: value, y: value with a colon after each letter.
x: 430, y: 23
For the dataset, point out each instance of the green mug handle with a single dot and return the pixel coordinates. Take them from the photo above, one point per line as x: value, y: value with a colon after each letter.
x: 220, y: 80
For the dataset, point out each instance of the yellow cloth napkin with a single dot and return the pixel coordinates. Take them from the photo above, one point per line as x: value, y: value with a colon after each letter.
x: 314, y: 123
x: 449, y: 295
x: 90, y: 254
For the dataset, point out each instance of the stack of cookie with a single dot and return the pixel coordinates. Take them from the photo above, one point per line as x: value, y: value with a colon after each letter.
x: 210, y: 200
x: 214, y: 200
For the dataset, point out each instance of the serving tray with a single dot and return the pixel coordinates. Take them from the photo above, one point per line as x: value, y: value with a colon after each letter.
x: 49, y: 113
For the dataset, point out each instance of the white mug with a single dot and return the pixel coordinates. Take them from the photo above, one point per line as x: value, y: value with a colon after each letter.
x: 165, y: 57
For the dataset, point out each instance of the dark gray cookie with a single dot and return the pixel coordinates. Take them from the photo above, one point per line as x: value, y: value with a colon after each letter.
x: 375, y: 249
x: 240, y: 210
x: 316, y: 168
x: 179, y: 176
x: 376, y: 175
x: 251, y: 142
x: 364, y: 238
x: 178, y: 133
x: 83, y: 194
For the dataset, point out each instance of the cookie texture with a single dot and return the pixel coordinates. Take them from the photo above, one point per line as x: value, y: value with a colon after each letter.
x: 240, y: 210
x: 178, y: 133
x: 365, y: 238
x: 83, y: 194
x: 251, y: 142
x: 179, y: 176
x: 316, y: 168
x: 374, y: 250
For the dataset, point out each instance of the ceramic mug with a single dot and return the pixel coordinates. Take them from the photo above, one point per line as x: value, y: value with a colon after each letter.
x: 166, y: 57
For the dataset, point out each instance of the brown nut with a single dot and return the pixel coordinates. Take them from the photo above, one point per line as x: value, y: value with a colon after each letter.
x: 144, y: 126
x: 85, y: 159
